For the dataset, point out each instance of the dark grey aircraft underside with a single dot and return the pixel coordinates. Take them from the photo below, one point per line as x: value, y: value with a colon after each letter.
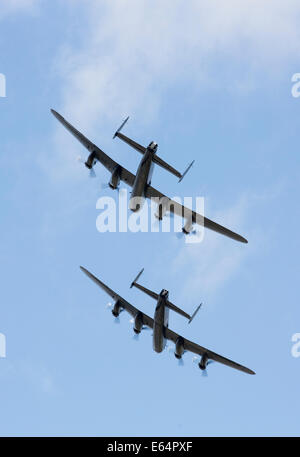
x: 159, y: 324
x: 141, y: 182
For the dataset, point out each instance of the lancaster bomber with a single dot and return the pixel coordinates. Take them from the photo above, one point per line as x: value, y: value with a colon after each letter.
x: 159, y: 324
x: 141, y: 182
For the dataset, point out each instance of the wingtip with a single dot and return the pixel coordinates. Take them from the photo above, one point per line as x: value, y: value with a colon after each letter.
x: 248, y: 371
x: 56, y: 114
x: 241, y: 239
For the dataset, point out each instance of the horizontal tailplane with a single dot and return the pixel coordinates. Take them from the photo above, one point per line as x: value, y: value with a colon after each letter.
x: 136, y: 278
x: 121, y: 126
x: 168, y: 167
x: 195, y: 312
x: 181, y: 312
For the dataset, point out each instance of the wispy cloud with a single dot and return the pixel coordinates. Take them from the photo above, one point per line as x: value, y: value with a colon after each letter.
x: 215, y: 261
x: 132, y: 52
x: 14, y: 6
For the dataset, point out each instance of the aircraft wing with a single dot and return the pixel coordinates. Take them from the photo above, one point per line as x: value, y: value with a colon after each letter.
x: 187, y: 213
x: 103, y: 158
x: 129, y: 178
x: 200, y: 350
x: 124, y: 304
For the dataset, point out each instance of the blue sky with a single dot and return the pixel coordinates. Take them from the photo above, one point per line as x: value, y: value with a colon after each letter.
x: 210, y: 83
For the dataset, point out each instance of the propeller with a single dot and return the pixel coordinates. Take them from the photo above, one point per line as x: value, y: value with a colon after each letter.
x: 92, y: 173
x: 170, y: 349
x: 144, y: 327
x: 107, y: 186
x: 181, y: 235
x: 204, y: 372
x: 180, y: 362
x: 109, y: 305
x: 157, y: 222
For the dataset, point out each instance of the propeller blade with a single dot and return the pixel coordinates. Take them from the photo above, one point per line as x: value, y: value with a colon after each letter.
x: 117, y: 320
x: 180, y: 362
x: 92, y: 173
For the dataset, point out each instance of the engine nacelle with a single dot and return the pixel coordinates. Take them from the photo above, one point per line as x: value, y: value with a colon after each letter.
x: 117, y: 309
x: 187, y: 228
x: 162, y: 208
x: 179, y: 347
x: 203, y: 362
x: 138, y: 323
x: 115, y: 178
x: 90, y: 161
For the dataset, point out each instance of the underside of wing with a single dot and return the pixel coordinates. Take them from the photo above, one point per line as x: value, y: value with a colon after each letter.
x: 96, y: 152
x: 195, y: 218
x: 122, y: 302
x: 202, y: 351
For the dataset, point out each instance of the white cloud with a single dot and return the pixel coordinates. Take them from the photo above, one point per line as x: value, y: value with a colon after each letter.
x: 209, y: 265
x: 133, y: 52
x: 14, y: 6
x: 213, y: 262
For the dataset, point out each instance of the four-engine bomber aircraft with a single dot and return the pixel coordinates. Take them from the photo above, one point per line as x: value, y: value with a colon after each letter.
x: 141, y: 182
x: 159, y: 324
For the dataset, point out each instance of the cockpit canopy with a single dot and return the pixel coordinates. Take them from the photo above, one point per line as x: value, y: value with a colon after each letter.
x: 164, y: 293
x: 153, y: 146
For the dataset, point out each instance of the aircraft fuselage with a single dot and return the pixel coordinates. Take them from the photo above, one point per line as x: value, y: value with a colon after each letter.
x: 142, y: 178
x: 161, y: 320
